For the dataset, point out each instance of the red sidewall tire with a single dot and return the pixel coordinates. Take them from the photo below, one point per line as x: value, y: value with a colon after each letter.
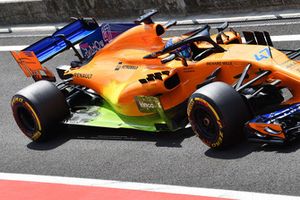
x: 217, y: 114
x: 213, y: 135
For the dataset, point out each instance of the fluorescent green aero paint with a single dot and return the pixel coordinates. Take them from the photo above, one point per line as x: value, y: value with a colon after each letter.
x: 110, y: 119
x: 105, y: 116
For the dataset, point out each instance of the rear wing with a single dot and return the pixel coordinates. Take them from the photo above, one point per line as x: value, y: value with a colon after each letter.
x: 102, y: 36
x: 74, y: 32
x: 85, y: 31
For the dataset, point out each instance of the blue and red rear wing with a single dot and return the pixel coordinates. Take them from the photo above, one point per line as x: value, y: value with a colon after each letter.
x: 50, y: 46
x: 85, y: 31
x: 102, y: 36
x: 75, y: 32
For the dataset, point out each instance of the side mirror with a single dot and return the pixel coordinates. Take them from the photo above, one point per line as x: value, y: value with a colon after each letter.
x: 169, y: 24
x: 146, y: 18
x: 222, y: 27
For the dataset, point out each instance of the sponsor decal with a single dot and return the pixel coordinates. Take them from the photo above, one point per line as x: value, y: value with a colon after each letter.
x: 36, y: 135
x: 118, y: 67
x: 219, y: 63
x: 106, y: 33
x: 81, y: 75
x: 219, y: 140
x: 188, y: 69
x: 263, y: 54
x: 88, y: 50
x: 147, y: 104
x: 17, y: 99
x: 190, y: 106
x: 100, y: 37
x: 291, y: 65
x: 129, y: 67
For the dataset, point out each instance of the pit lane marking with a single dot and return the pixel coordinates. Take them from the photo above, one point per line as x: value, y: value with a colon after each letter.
x: 249, y: 18
x: 175, y: 28
x: 239, y: 26
x: 13, y: 48
x: 20, y: 47
x: 275, y: 38
x: 241, y: 19
x: 7, y: 32
x: 16, y: 1
x: 6, y: 179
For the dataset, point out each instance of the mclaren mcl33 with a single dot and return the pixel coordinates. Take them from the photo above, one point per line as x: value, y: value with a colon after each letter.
x: 127, y: 77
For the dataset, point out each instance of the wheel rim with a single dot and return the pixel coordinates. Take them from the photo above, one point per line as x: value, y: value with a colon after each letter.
x: 206, y: 123
x: 26, y: 119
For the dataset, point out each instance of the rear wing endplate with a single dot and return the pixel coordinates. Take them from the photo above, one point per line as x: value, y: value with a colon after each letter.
x: 31, y: 66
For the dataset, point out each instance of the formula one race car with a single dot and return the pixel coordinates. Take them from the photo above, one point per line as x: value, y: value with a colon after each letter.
x: 127, y: 76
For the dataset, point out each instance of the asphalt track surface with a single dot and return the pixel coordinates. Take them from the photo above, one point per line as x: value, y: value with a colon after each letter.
x: 177, y: 158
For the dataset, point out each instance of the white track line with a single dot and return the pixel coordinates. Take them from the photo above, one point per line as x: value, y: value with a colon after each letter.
x: 276, y: 38
x: 237, y: 26
x: 146, y: 187
x: 228, y: 19
x: 35, y: 28
x: 179, y: 22
x: 283, y: 38
x: 20, y: 47
x: 240, y: 19
x: 23, y: 36
x: 13, y: 48
x: 175, y: 28
x: 17, y: 1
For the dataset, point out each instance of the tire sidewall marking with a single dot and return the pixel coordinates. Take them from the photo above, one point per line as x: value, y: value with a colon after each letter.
x: 197, y: 100
x: 23, y: 103
x: 35, y: 115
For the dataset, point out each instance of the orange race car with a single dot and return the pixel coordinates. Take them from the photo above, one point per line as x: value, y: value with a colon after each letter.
x: 128, y: 76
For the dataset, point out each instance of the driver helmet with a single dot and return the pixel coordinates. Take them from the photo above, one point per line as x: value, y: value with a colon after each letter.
x: 185, y: 50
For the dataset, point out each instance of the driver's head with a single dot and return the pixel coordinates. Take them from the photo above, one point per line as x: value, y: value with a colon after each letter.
x: 184, y: 50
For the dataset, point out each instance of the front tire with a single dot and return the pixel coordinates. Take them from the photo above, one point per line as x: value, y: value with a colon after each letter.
x: 217, y: 114
x: 38, y: 109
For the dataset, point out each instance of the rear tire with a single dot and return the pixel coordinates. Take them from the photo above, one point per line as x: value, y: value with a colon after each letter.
x: 38, y: 109
x: 217, y: 114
